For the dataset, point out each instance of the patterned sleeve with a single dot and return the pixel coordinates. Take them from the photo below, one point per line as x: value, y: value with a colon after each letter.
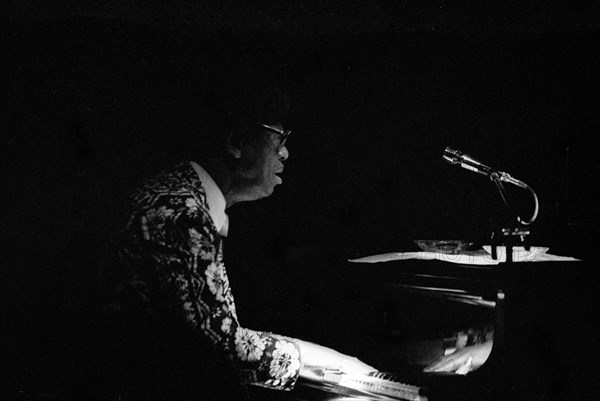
x: 176, y: 233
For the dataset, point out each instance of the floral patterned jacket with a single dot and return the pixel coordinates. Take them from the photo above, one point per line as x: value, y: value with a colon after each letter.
x: 169, y: 238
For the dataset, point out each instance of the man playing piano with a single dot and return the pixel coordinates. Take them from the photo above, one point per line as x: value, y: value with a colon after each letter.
x: 171, y: 308
x: 173, y: 329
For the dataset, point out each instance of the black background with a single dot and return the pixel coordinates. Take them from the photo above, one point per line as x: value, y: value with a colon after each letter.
x: 97, y: 97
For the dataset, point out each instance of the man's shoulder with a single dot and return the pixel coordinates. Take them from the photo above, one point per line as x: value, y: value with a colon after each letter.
x: 179, y: 181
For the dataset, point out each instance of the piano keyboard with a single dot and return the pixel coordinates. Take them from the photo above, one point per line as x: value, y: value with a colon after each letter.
x: 378, y: 386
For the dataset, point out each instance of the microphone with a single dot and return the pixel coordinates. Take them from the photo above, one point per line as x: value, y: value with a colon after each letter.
x: 467, y: 162
x: 457, y: 157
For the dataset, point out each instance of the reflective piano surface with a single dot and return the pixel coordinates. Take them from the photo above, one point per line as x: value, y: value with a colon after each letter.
x: 545, y: 346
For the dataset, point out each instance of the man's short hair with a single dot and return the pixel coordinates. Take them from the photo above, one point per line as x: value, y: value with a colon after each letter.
x: 237, y: 112
x: 261, y: 106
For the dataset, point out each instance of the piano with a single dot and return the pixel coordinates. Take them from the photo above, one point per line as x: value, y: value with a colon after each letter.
x: 543, y: 313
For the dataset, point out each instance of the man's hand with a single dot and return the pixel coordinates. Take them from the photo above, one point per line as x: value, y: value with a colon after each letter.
x: 316, y: 359
x: 464, y: 360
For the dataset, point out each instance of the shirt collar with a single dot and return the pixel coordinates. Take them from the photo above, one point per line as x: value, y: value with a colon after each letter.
x: 214, y: 199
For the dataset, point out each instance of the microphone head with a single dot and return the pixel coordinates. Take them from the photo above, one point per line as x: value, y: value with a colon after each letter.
x: 452, y: 156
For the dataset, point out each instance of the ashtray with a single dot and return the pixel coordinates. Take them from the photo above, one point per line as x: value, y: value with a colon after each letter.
x: 443, y: 246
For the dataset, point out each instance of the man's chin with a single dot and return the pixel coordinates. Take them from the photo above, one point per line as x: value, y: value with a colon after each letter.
x: 269, y: 191
x: 265, y: 192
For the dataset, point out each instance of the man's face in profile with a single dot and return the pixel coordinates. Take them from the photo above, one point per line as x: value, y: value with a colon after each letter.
x: 262, y: 161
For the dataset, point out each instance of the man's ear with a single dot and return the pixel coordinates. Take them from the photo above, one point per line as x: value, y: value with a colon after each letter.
x: 234, y: 148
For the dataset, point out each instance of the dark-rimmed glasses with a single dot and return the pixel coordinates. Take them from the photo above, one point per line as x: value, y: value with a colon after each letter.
x: 282, y: 135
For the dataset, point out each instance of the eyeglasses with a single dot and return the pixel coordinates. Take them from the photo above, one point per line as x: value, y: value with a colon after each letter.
x: 282, y: 135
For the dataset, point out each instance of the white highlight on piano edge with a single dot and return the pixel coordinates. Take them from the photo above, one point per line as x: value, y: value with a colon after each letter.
x: 449, y: 294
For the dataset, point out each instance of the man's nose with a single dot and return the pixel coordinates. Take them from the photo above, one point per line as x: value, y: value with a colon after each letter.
x: 283, y: 153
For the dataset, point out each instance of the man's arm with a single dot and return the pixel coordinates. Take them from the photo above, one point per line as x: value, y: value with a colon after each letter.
x: 183, y: 252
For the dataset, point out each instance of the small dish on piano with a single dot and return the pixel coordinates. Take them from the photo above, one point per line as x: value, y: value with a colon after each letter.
x: 452, y: 247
